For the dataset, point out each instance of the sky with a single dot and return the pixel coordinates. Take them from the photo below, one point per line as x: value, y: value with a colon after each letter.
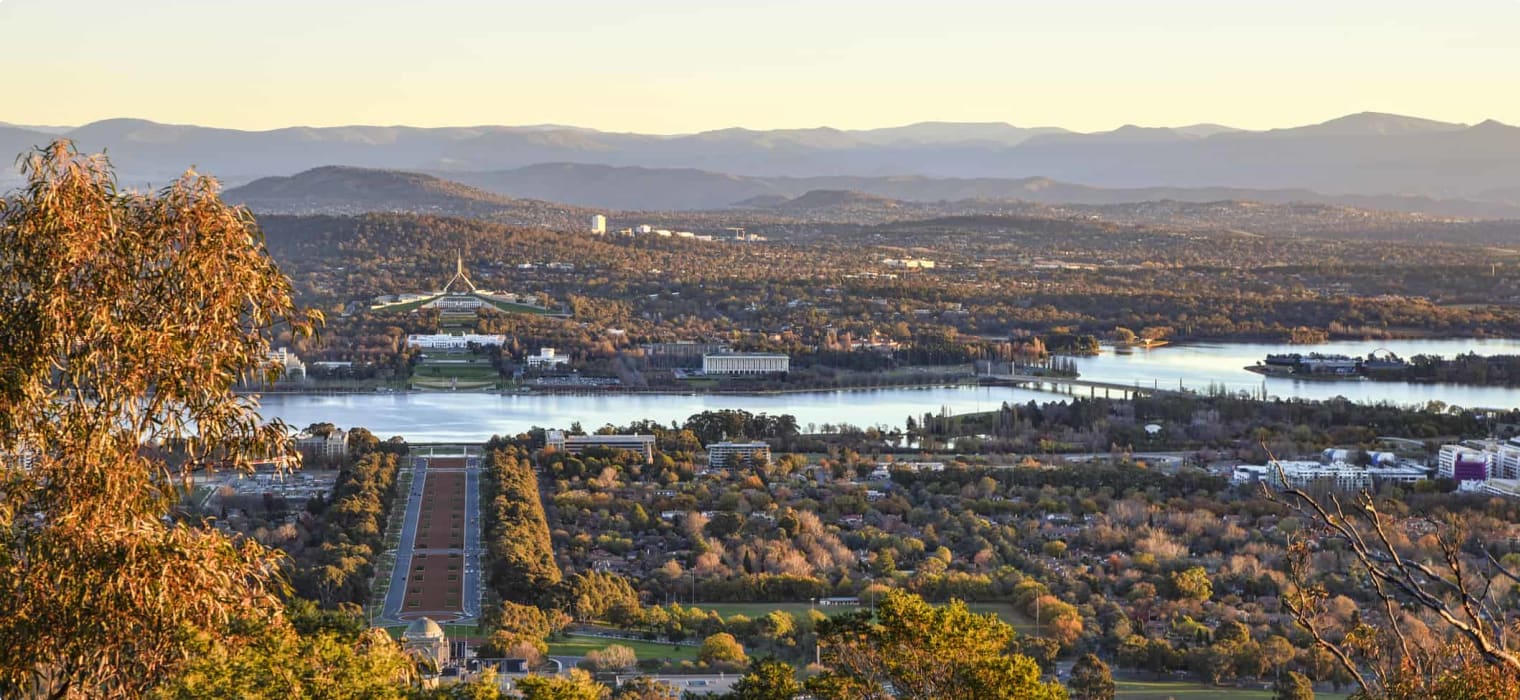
x: 678, y: 66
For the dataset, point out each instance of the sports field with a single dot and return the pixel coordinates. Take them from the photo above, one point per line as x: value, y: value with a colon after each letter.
x: 575, y: 645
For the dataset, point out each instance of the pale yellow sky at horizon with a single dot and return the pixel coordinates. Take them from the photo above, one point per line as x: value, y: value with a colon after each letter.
x: 667, y: 66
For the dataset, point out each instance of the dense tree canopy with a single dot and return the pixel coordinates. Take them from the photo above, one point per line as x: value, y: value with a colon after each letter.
x: 124, y: 318
x: 924, y: 652
x: 522, y: 567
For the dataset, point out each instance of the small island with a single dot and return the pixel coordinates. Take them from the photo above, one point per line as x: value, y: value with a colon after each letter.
x: 1469, y: 368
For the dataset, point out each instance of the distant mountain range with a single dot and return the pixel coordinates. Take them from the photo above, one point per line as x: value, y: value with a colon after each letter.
x: 1361, y: 154
x: 348, y: 190
x: 669, y: 189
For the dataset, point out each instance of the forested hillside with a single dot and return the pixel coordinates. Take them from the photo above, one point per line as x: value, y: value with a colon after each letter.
x: 819, y: 289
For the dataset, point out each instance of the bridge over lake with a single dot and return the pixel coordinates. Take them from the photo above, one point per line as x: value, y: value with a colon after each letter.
x: 1073, y: 386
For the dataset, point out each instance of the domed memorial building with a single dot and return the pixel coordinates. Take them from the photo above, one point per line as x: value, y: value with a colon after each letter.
x: 426, y: 640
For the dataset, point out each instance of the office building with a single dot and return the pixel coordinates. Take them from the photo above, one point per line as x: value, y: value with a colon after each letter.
x: 746, y: 363
x: 733, y: 454
x: 576, y: 444
x: 598, y: 224
x: 681, y: 354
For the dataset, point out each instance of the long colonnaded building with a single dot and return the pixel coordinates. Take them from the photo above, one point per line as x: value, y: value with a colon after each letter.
x: 447, y: 341
x: 746, y: 363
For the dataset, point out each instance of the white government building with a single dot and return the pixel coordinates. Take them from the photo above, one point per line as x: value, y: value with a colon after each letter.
x: 746, y: 363
x: 446, y: 341
x: 547, y: 358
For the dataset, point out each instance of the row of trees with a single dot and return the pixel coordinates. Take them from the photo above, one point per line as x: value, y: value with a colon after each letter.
x: 1470, y: 368
x: 338, y: 566
x: 520, y: 555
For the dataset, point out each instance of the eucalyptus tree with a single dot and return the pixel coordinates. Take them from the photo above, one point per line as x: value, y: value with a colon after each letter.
x: 126, y: 318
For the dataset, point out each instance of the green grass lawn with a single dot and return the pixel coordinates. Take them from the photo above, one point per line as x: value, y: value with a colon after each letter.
x: 473, y: 372
x: 470, y: 371
x: 409, y: 306
x: 578, y: 646
x: 510, y: 307
x: 1186, y: 690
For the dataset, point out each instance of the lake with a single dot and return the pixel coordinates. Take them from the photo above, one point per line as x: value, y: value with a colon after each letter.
x: 1223, y: 364
x: 436, y: 417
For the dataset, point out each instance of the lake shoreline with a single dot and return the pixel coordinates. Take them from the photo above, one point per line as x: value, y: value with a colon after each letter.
x: 613, y: 391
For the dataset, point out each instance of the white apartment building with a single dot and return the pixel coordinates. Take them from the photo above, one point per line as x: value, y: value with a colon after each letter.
x: 1451, y: 456
x: 1397, y: 474
x: 331, y: 447
x: 728, y: 454
x: 291, y: 367
x: 1507, y: 462
x: 598, y: 224
x: 1338, y: 475
x: 746, y: 363
x: 1508, y: 488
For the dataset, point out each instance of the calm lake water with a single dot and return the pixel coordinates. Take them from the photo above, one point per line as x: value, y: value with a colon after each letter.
x: 433, y: 417
x: 1199, y: 366
x: 430, y: 417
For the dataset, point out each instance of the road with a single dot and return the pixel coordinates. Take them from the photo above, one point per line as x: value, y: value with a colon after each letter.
x: 396, y: 594
x: 472, y: 548
x: 1072, y: 384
